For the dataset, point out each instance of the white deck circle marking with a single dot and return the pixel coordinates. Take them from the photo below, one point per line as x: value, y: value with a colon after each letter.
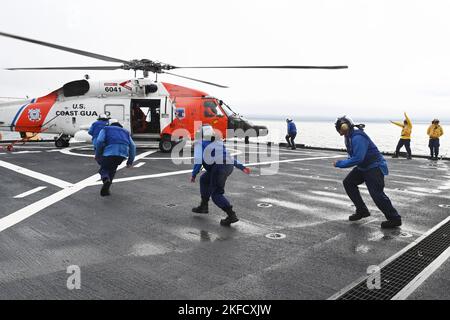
x: 68, y: 151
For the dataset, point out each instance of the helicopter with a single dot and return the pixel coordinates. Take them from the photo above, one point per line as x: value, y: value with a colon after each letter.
x: 149, y: 109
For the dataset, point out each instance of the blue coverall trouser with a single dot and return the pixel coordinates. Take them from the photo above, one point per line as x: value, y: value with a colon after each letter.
x: 108, y: 166
x: 212, y: 184
x: 374, y: 180
x: 290, y: 137
x: 433, y: 144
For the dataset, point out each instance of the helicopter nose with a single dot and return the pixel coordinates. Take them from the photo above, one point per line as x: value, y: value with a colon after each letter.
x: 261, y: 131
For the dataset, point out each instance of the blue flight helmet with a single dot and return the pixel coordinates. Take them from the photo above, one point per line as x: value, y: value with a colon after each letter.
x: 347, y: 123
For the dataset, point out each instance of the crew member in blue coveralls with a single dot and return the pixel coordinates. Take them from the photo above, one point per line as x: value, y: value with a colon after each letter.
x: 371, y: 167
x: 211, y: 153
x: 291, y: 133
x: 97, y: 126
x: 113, y: 146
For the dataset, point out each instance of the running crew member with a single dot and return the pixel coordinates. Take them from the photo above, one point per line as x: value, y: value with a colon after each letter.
x: 211, y: 153
x: 434, y: 131
x: 370, y: 168
x: 291, y: 133
x: 97, y: 126
x: 114, y: 145
x: 405, y: 138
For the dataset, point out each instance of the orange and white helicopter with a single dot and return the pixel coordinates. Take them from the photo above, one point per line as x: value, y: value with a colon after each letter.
x: 148, y: 109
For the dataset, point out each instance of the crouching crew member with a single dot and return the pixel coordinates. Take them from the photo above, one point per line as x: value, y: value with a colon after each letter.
x: 97, y: 126
x: 291, y: 133
x: 114, y: 145
x: 434, y: 131
x: 210, y: 153
x: 371, y: 167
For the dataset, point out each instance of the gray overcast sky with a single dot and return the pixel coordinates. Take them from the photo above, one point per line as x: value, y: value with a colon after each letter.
x: 398, y: 51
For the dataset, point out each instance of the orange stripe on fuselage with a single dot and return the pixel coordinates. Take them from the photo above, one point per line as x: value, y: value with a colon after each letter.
x: 33, y: 116
x: 179, y: 91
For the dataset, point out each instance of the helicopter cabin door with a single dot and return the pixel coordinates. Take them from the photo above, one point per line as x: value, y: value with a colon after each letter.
x: 145, y: 118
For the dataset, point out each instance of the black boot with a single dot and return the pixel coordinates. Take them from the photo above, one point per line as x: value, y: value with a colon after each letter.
x: 105, y: 189
x: 390, y: 224
x: 395, y: 155
x: 232, y: 218
x: 202, y: 208
x: 360, y: 213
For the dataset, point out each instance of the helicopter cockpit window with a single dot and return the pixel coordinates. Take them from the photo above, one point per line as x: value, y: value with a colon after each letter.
x: 212, y: 109
x: 76, y: 88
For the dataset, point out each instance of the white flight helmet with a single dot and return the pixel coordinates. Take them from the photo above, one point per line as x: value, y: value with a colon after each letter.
x: 113, y: 121
x: 103, y: 116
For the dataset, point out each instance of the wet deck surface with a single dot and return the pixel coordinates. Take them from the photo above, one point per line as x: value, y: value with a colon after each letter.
x: 143, y: 242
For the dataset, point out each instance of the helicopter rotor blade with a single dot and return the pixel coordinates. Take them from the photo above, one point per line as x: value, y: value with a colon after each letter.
x: 202, y: 81
x: 70, y: 68
x: 266, y: 67
x: 55, y: 46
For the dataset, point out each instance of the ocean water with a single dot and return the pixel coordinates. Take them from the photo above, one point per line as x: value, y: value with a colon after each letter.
x: 323, y: 134
x: 384, y: 134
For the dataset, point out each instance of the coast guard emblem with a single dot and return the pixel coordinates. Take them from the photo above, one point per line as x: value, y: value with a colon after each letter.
x: 34, y: 114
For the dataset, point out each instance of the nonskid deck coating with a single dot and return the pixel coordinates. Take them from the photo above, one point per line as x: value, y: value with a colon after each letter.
x: 144, y: 242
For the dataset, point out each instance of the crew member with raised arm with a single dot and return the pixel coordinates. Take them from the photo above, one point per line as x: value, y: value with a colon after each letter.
x: 405, y: 138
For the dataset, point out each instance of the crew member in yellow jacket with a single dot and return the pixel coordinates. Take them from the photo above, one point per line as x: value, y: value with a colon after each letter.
x: 405, y: 139
x: 434, y: 131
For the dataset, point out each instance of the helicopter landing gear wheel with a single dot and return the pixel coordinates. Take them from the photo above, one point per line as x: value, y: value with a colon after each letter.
x: 62, y: 142
x: 166, y: 144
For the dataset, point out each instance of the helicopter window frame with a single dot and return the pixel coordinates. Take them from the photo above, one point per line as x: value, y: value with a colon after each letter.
x: 213, y: 107
x: 121, y: 107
